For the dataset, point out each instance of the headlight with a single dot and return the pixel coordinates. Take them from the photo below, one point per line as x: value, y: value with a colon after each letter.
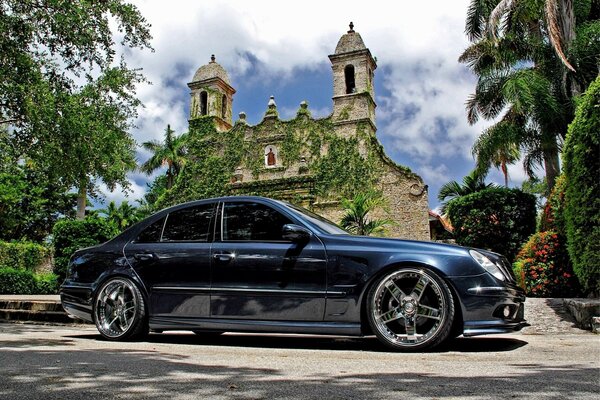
x: 487, y: 264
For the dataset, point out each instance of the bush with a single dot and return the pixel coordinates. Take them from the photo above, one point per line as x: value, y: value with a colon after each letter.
x: 497, y: 219
x: 46, y: 283
x: 71, y: 235
x: 21, y: 281
x: 553, y: 218
x: 543, y: 267
x: 23, y: 255
x: 581, y: 157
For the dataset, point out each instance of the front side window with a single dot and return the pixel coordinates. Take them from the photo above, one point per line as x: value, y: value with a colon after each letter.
x: 252, y: 221
x: 190, y: 224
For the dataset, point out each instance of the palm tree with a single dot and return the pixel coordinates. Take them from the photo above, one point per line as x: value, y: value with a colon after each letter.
x: 472, y: 183
x: 123, y: 216
x: 171, y: 153
x: 356, y: 218
x: 497, y: 146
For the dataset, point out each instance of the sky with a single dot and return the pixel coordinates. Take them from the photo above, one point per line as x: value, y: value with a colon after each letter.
x: 280, y: 48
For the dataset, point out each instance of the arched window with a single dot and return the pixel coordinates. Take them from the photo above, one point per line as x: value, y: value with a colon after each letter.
x: 224, y: 107
x: 350, y: 82
x: 203, y: 103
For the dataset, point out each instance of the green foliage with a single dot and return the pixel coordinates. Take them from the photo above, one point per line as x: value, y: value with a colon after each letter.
x: 497, y: 219
x: 172, y: 153
x: 23, y: 255
x: 552, y: 218
x: 582, y: 196
x: 543, y: 268
x: 523, y: 80
x: 46, y: 42
x: 356, y: 213
x: 31, y: 200
x: 214, y: 156
x: 472, y: 183
x: 19, y: 281
x: 123, y: 216
x: 72, y: 235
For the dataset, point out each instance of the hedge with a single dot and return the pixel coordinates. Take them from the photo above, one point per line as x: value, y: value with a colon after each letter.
x: 71, y: 235
x: 23, y: 255
x: 497, y: 219
x: 581, y: 156
x: 21, y: 281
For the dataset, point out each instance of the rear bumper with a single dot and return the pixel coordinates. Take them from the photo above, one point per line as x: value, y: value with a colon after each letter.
x: 77, y: 301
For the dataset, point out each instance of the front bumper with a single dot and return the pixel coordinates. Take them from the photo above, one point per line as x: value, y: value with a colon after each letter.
x: 490, y: 307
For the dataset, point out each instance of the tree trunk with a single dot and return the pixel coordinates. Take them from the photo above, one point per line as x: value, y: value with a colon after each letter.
x: 81, y: 200
x: 552, y: 166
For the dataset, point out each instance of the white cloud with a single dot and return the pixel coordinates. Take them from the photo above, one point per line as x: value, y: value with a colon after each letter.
x: 420, y: 114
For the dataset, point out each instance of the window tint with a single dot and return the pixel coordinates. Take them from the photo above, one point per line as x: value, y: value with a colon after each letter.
x: 151, y: 234
x: 252, y: 221
x: 189, y: 224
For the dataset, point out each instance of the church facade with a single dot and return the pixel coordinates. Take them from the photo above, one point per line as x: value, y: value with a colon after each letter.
x: 313, y: 162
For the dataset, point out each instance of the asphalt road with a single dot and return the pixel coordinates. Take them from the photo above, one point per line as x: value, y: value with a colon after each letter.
x: 73, y: 362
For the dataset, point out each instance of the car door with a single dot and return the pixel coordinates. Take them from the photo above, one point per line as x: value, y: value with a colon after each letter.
x: 172, y: 257
x: 258, y: 275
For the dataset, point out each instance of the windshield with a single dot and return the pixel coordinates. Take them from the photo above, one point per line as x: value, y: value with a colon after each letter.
x: 321, y: 223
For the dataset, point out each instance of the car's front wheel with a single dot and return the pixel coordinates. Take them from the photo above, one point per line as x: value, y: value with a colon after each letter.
x: 120, y: 310
x: 410, y: 309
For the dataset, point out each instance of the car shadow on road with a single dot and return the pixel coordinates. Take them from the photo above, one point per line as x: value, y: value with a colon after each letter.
x: 316, y: 342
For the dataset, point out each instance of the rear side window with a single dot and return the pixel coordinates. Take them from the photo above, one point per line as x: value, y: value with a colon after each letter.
x: 152, y: 233
x: 252, y: 221
x: 190, y: 224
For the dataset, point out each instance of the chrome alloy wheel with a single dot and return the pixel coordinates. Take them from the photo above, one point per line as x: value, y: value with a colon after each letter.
x: 115, y: 307
x: 411, y: 308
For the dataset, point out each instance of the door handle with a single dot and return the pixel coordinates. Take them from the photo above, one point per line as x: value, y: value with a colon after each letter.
x: 224, y: 257
x: 144, y: 256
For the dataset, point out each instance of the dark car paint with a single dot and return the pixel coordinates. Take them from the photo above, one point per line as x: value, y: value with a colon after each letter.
x: 317, y: 286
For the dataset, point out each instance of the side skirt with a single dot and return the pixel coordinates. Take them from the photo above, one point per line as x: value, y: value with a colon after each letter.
x: 233, y: 325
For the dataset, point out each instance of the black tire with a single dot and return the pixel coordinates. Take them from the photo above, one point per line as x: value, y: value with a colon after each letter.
x: 410, y: 309
x: 120, y: 310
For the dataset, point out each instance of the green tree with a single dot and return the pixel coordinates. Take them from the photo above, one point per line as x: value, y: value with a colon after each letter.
x: 522, y: 81
x: 472, y: 183
x: 122, y: 216
x: 94, y: 143
x: 170, y: 153
x: 582, y: 196
x: 45, y: 43
x: 496, y: 147
x: 356, y: 213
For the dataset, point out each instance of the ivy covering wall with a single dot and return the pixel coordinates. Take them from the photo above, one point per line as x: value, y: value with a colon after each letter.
x: 334, y: 166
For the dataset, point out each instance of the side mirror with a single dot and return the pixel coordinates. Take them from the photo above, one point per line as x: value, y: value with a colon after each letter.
x: 295, y: 233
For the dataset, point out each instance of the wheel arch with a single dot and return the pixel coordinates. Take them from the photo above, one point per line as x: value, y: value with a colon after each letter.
x: 364, y: 322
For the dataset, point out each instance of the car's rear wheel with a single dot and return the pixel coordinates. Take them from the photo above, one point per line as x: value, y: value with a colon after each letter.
x: 410, y: 309
x: 120, y: 310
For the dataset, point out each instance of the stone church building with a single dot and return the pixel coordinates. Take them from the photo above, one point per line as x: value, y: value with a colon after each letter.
x: 308, y: 161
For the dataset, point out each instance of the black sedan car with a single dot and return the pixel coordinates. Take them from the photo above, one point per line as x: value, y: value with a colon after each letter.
x: 259, y: 265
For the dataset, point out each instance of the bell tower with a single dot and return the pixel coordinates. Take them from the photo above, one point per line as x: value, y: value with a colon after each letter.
x: 353, y: 71
x: 212, y: 95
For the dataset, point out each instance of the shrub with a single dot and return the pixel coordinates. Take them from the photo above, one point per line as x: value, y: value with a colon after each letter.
x: 21, y: 281
x: 23, y: 255
x: 543, y: 267
x: 581, y: 157
x: 553, y: 218
x: 46, y: 283
x: 71, y: 235
x: 17, y: 281
x: 497, y: 219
